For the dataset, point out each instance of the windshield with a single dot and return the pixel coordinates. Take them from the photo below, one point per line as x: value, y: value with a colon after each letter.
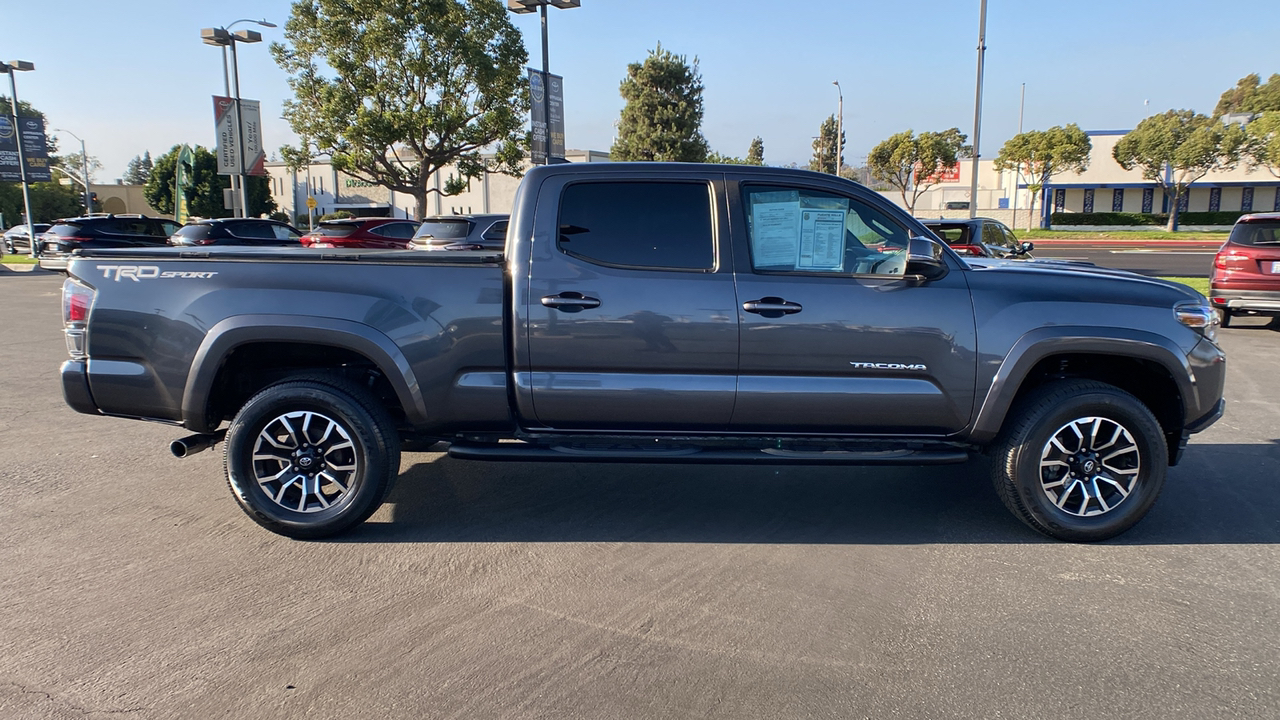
x: 444, y: 229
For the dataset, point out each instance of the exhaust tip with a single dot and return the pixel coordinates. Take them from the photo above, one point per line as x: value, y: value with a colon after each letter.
x: 179, y: 449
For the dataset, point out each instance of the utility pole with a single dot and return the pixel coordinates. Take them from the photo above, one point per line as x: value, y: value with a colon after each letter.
x: 839, y: 129
x: 11, y: 68
x: 1022, y: 101
x: 977, y: 111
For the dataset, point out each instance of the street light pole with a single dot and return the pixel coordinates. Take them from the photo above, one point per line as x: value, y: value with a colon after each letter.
x: 977, y: 111
x: 839, y: 129
x: 12, y: 67
x: 84, y: 170
x: 231, y: 84
x: 1022, y: 101
x: 528, y: 6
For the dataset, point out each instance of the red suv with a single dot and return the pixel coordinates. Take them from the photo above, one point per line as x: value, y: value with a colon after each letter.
x: 1246, y: 272
x: 386, y: 233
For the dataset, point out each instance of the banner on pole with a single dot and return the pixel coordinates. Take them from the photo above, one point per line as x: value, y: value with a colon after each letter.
x: 546, y: 116
x: 35, y: 147
x: 228, y: 149
x: 182, y: 180
x: 255, y: 157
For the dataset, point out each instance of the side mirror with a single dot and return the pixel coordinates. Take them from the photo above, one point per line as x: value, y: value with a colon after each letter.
x: 925, y: 259
x: 1027, y: 247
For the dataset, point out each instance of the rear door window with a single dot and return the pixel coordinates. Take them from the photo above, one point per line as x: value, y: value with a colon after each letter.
x: 254, y: 230
x: 650, y: 225
x: 1260, y: 233
x: 399, y: 231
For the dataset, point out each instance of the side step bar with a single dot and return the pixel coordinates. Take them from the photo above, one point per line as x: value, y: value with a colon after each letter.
x: 521, y: 451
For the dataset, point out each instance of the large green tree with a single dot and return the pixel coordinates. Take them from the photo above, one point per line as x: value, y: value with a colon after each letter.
x: 1250, y: 95
x: 139, y: 169
x: 1036, y: 156
x: 1177, y: 148
x: 205, y: 197
x: 393, y: 91
x: 1263, y: 143
x: 662, y: 120
x: 824, y: 148
x: 755, y: 153
x: 914, y: 163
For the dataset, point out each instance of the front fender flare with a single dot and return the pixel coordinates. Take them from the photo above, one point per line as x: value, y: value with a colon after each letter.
x: 1040, y: 343
x: 238, y: 330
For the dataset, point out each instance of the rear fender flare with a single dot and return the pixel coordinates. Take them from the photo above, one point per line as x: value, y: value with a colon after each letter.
x: 239, y: 330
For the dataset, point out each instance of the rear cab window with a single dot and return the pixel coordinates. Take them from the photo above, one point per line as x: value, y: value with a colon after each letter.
x: 1253, y: 234
x: 635, y: 224
x: 444, y: 229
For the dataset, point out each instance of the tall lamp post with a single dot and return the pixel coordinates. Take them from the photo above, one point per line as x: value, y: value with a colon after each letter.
x: 528, y: 6
x: 11, y: 67
x: 223, y: 37
x: 977, y: 111
x: 839, y: 129
x: 84, y: 170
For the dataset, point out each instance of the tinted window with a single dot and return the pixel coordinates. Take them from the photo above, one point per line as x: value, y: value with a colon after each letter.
x: 258, y: 231
x: 400, y: 231
x: 284, y: 232
x: 991, y: 235
x: 65, y: 229
x: 952, y: 234
x: 168, y: 227
x: 794, y: 230
x: 332, y: 229
x: 497, y: 231
x: 638, y: 224
x: 193, y: 232
x: 1256, y: 233
x: 444, y: 229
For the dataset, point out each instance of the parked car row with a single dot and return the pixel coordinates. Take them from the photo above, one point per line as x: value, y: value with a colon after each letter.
x: 57, y: 242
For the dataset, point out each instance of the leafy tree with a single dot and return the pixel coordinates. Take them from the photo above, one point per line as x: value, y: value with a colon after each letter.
x: 415, y: 86
x: 1187, y: 143
x: 205, y: 196
x: 824, y: 147
x: 1250, y: 95
x: 755, y: 153
x: 49, y: 201
x: 913, y: 163
x: 1263, y: 142
x: 719, y: 159
x: 138, y: 170
x: 72, y: 166
x: 662, y: 120
x: 1037, y: 155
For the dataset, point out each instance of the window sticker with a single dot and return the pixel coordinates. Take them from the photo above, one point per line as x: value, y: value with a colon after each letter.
x: 821, y: 240
x: 775, y: 228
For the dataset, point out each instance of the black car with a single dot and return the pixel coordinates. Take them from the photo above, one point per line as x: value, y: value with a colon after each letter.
x: 93, y: 232
x: 462, y: 232
x: 16, y: 240
x: 979, y: 237
x: 237, y: 231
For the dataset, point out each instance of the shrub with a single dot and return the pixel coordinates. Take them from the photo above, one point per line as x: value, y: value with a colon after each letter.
x: 339, y: 215
x: 1227, y: 217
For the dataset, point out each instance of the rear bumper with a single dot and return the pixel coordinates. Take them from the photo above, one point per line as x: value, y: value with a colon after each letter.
x: 55, y: 262
x: 1242, y: 299
x: 75, y: 387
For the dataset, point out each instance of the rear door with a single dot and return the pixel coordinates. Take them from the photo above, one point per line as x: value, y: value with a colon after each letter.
x: 629, y: 315
x: 834, y: 339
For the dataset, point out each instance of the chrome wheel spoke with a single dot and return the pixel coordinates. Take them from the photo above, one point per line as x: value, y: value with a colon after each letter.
x: 1089, y: 466
x: 299, y: 472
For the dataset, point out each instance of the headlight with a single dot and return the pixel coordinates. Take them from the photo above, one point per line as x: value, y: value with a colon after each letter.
x: 1201, y: 318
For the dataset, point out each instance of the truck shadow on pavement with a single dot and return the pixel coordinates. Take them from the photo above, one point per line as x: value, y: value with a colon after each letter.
x: 1220, y: 494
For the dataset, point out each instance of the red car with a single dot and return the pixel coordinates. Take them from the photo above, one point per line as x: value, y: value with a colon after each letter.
x: 384, y: 233
x: 1246, y: 272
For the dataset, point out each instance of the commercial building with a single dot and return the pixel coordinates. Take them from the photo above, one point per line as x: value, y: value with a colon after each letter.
x: 1103, y: 187
x: 335, y: 190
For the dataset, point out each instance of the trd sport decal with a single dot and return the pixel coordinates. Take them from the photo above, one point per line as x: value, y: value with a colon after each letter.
x: 138, y: 273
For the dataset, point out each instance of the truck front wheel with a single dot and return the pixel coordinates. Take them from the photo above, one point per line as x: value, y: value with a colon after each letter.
x: 311, y: 458
x: 1080, y: 460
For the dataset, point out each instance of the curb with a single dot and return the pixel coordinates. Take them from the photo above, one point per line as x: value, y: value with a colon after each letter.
x: 23, y: 267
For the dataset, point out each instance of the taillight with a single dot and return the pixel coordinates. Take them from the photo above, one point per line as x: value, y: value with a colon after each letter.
x: 1232, y: 261
x: 77, y: 301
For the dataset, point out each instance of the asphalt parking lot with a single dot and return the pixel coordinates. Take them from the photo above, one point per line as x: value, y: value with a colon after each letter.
x: 130, y: 583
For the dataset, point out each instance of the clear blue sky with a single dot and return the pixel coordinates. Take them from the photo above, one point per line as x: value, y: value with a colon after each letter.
x: 132, y: 75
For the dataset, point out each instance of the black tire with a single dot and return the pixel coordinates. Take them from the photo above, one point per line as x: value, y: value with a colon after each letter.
x: 1224, y: 316
x: 1036, y: 482
x: 354, y: 444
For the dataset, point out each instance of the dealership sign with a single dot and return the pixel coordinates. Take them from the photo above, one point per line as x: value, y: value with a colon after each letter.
x: 237, y: 140
x: 35, y: 147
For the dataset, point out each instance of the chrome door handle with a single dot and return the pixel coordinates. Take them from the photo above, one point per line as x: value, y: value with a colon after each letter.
x: 772, y: 307
x: 570, y: 302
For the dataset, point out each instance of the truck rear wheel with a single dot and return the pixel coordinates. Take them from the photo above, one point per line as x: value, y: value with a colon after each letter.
x: 1080, y: 460
x: 311, y: 458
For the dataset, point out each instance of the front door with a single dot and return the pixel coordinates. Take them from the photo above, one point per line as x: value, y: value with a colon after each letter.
x: 834, y: 339
x: 630, y: 310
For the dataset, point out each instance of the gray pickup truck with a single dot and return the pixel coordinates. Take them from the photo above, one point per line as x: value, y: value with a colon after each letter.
x: 670, y: 313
